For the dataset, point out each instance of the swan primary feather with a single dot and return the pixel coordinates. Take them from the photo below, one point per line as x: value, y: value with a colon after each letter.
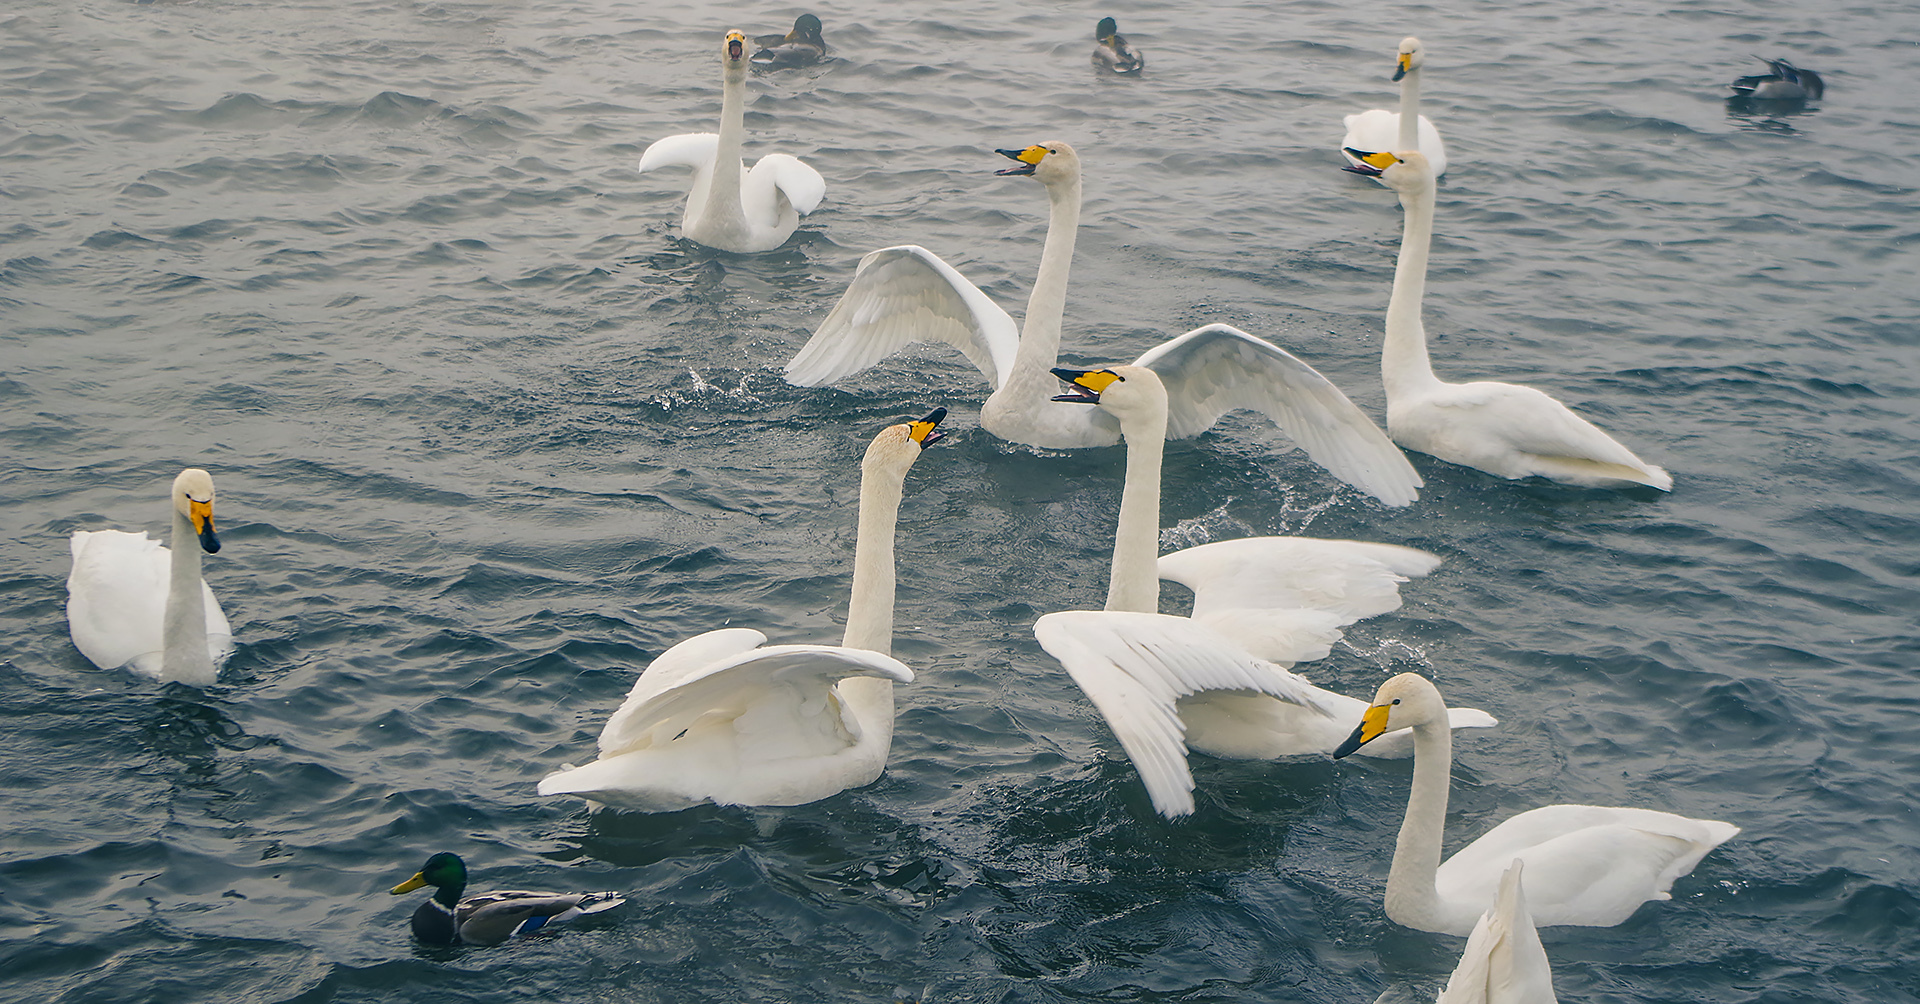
x: 1504, y: 962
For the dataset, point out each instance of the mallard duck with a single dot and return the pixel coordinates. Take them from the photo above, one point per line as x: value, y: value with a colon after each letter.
x: 802, y: 46
x: 490, y: 917
x: 1113, y: 53
x: 1786, y: 82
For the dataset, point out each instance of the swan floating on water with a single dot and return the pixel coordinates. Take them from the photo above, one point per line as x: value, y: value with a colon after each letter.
x: 906, y: 294
x: 1586, y: 866
x: 489, y: 918
x: 132, y: 602
x: 1504, y: 962
x: 718, y: 718
x: 802, y: 46
x: 1783, y: 82
x: 1215, y: 681
x: 1379, y: 129
x: 729, y: 207
x: 1111, y: 51
x: 1504, y: 429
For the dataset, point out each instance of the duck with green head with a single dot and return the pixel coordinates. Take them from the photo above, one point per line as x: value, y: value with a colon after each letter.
x: 492, y: 917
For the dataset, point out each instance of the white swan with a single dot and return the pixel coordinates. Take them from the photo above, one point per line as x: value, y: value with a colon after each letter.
x: 132, y: 602
x: 717, y: 718
x: 1587, y: 866
x: 1501, y: 428
x: 1504, y: 962
x: 1216, y: 681
x: 730, y: 207
x: 907, y: 294
x: 1379, y: 129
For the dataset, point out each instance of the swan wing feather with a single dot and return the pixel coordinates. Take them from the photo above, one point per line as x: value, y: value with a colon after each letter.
x: 730, y: 684
x: 1218, y: 368
x: 900, y: 295
x: 1504, y: 961
x: 693, y: 149
x: 1534, y: 422
x: 117, y: 601
x: 1136, y: 666
x: 800, y: 183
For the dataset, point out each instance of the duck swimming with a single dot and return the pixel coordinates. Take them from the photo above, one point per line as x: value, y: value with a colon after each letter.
x: 1786, y: 82
x: 490, y: 917
x: 802, y: 46
x: 1113, y: 53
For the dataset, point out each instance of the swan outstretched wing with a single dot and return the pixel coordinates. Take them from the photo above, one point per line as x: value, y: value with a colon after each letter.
x: 1218, y: 368
x: 1136, y: 666
x: 902, y: 295
x: 801, y: 184
x: 693, y: 149
x: 729, y: 684
x: 1285, y: 598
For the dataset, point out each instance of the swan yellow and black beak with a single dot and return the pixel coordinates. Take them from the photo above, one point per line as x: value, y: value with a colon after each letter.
x: 418, y: 881
x: 1373, y: 723
x: 924, y: 431
x: 1029, y: 159
x: 1085, y: 386
x: 1401, y: 68
x: 1371, y: 165
x: 736, y: 46
x: 200, y: 514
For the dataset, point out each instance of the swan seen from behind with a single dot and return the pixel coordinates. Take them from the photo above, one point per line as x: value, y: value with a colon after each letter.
x: 1406, y: 129
x: 719, y: 718
x: 132, y: 602
x: 730, y: 207
x: 1586, y: 865
x: 1504, y: 962
x: 1215, y: 681
x: 906, y: 294
x: 1504, y: 429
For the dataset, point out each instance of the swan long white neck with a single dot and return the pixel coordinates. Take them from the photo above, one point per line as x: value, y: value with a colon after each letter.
x: 1410, y: 110
x: 870, y: 604
x: 723, y: 193
x: 1412, y: 898
x: 1405, y: 368
x: 184, y: 654
x: 1047, y: 304
x: 1133, y: 584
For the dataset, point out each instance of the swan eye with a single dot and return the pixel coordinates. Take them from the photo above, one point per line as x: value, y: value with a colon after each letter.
x: 1396, y: 700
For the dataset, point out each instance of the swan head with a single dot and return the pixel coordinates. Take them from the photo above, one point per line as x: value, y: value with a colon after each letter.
x: 1050, y: 163
x: 193, y: 498
x: 1411, y: 56
x: 898, y: 446
x: 1405, y: 172
x: 733, y: 54
x: 1125, y: 391
x: 1406, y: 701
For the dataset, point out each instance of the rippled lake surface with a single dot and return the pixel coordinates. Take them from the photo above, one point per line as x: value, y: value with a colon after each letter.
x: 489, y: 437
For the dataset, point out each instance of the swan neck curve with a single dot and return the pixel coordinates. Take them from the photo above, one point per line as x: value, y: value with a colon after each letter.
x: 1412, y: 898
x: 870, y: 604
x: 723, y: 195
x: 1405, y: 367
x: 1134, y: 582
x: 1410, y: 110
x: 184, y: 653
x: 1047, y: 304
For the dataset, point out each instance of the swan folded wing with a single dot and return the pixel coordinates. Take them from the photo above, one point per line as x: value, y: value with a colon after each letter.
x: 730, y: 685
x: 1534, y: 422
x: 117, y: 601
x: 898, y: 296
x: 1218, y: 368
x: 1355, y: 579
x: 1136, y: 666
x: 693, y: 149
x: 786, y: 174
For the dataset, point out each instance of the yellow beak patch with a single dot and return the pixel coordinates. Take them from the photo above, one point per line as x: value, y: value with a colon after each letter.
x: 1373, y: 723
x: 1032, y: 155
x: 917, y: 431
x: 200, y: 513
x: 1381, y: 160
x: 1097, y: 380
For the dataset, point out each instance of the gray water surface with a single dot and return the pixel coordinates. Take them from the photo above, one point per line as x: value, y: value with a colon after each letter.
x: 489, y: 437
